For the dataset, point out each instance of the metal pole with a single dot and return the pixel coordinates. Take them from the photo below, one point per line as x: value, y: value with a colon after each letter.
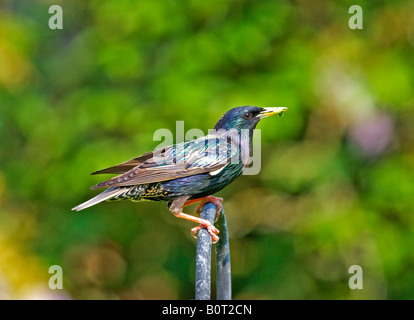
x: 223, y: 266
x: 203, y: 258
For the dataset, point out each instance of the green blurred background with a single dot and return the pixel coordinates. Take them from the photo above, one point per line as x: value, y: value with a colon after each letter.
x: 337, y: 182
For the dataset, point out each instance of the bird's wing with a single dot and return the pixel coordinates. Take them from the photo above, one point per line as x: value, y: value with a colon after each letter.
x: 128, y: 165
x: 202, y: 155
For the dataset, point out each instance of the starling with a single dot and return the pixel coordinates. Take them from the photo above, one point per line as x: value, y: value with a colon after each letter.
x: 188, y: 172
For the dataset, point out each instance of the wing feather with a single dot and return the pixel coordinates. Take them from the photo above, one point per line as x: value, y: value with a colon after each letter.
x: 128, y: 165
x: 172, y: 162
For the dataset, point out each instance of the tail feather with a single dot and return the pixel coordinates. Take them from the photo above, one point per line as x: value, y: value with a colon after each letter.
x: 106, y: 195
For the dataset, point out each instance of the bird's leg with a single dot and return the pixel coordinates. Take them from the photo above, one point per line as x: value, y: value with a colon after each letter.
x: 176, y: 208
x: 203, y: 223
x: 190, y: 202
x: 218, y: 202
x: 215, y: 200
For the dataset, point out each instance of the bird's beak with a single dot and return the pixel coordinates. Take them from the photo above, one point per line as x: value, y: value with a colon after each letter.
x: 267, y: 112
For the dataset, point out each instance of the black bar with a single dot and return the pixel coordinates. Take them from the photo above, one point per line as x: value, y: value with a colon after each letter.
x: 223, y: 266
x: 203, y: 256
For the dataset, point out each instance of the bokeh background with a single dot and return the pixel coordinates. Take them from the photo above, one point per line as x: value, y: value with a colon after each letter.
x: 337, y: 182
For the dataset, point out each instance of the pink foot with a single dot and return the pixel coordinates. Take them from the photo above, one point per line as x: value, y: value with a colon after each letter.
x: 215, y: 200
x: 212, y: 230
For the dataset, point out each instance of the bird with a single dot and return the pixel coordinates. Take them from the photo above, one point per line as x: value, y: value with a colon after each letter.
x: 190, y: 171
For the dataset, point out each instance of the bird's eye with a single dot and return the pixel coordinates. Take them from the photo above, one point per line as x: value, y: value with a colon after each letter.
x: 248, y: 115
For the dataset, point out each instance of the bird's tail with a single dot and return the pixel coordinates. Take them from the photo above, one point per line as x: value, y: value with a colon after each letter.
x: 106, y: 195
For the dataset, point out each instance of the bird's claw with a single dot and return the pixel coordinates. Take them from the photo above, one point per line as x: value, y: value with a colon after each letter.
x: 212, y: 230
x: 217, y: 201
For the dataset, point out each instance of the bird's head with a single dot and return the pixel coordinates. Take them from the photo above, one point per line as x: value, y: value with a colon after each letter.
x: 245, y: 117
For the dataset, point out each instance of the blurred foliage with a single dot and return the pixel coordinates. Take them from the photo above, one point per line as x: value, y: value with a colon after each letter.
x: 337, y: 181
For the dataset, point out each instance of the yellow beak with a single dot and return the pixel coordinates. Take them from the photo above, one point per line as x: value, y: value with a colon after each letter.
x: 267, y: 112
